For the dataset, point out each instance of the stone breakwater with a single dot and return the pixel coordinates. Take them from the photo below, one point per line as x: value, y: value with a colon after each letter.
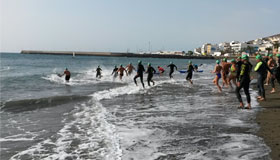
x: 114, y: 54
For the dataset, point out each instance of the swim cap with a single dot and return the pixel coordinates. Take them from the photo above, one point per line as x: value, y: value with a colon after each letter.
x: 190, y: 62
x: 218, y: 61
x: 66, y: 68
x: 225, y: 59
x: 270, y: 55
x: 233, y: 60
x: 278, y: 55
x: 171, y: 62
x: 121, y: 65
x: 130, y: 63
x: 244, y: 56
x: 239, y: 57
x: 258, y: 57
x: 149, y: 64
x: 139, y: 62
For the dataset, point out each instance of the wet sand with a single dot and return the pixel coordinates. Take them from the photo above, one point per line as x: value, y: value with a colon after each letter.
x: 269, y: 121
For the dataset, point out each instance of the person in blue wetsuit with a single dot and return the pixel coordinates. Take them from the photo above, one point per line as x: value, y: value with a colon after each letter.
x: 172, y: 66
x: 243, y: 81
x: 261, y: 68
x: 217, y: 71
x: 151, y: 71
x: 190, y: 72
x: 140, y: 71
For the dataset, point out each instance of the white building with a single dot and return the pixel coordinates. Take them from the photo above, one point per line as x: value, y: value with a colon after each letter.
x: 238, y: 46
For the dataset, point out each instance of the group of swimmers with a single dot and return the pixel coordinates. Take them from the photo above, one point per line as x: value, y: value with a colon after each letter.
x: 238, y: 71
x: 140, y: 71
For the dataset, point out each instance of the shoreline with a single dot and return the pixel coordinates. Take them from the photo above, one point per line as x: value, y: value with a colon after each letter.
x: 268, y: 118
x: 269, y: 121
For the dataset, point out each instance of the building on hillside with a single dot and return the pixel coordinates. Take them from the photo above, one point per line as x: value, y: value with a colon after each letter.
x: 263, y: 47
x: 224, y: 46
x: 237, y: 46
x: 197, y: 51
x: 209, y: 49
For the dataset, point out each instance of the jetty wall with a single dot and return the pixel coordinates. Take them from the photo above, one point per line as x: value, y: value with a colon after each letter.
x: 114, y: 54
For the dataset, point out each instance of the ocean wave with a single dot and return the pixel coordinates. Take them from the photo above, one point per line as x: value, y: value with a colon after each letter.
x: 32, y: 104
x: 88, y: 136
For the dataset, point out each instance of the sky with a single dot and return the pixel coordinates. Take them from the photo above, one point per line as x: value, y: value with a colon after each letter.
x: 131, y: 25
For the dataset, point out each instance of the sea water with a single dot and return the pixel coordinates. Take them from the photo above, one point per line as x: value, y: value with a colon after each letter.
x: 43, y: 117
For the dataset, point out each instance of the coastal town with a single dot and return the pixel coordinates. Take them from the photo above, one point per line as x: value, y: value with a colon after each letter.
x: 266, y: 45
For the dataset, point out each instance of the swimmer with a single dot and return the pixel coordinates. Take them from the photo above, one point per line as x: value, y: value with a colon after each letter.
x: 190, y: 72
x: 67, y: 75
x: 151, y: 71
x: 243, y: 81
x: 121, y: 70
x: 140, y: 70
x: 225, y: 71
x: 217, y: 71
x: 129, y: 68
x: 115, y: 72
x: 98, y: 72
x: 232, y: 76
x: 276, y: 73
x: 172, y: 66
x: 262, y: 69
x: 160, y: 70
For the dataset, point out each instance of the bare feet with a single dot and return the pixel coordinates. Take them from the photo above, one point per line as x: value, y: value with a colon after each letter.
x: 273, y: 90
x: 248, y: 106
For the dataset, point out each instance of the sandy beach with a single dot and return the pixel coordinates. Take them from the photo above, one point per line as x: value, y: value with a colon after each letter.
x: 269, y: 121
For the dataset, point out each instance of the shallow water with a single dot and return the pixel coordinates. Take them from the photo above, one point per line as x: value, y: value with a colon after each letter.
x: 42, y: 117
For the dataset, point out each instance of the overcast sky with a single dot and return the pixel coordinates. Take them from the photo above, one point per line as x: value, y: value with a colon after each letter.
x: 118, y: 25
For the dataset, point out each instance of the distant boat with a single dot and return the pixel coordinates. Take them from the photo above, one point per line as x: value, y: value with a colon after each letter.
x: 73, y: 54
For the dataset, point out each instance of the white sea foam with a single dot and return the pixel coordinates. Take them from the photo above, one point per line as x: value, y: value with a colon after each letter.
x: 6, y: 68
x: 97, y: 137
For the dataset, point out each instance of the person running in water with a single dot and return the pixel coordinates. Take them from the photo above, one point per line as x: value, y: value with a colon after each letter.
x: 217, y: 71
x: 243, y: 81
x: 262, y: 69
x: 140, y: 70
x: 115, y: 73
x: 160, y: 70
x: 121, y: 70
x: 276, y: 74
x: 67, y: 75
x: 172, y: 66
x: 232, y: 76
x: 129, y: 68
x: 98, y: 72
x: 225, y: 71
x: 151, y: 71
x: 271, y: 64
x: 190, y: 72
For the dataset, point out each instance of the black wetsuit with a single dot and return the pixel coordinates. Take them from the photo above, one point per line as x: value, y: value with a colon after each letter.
x: 276, y: 73
x: 238, y: 64
x: 243, y: 76
x: 261, y: 69
x: 190, y: 72
x: 98, y: 72
x: 140, y: 71
x: 172, y: 66
x: 115, y: 72
x: 151, y: 71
